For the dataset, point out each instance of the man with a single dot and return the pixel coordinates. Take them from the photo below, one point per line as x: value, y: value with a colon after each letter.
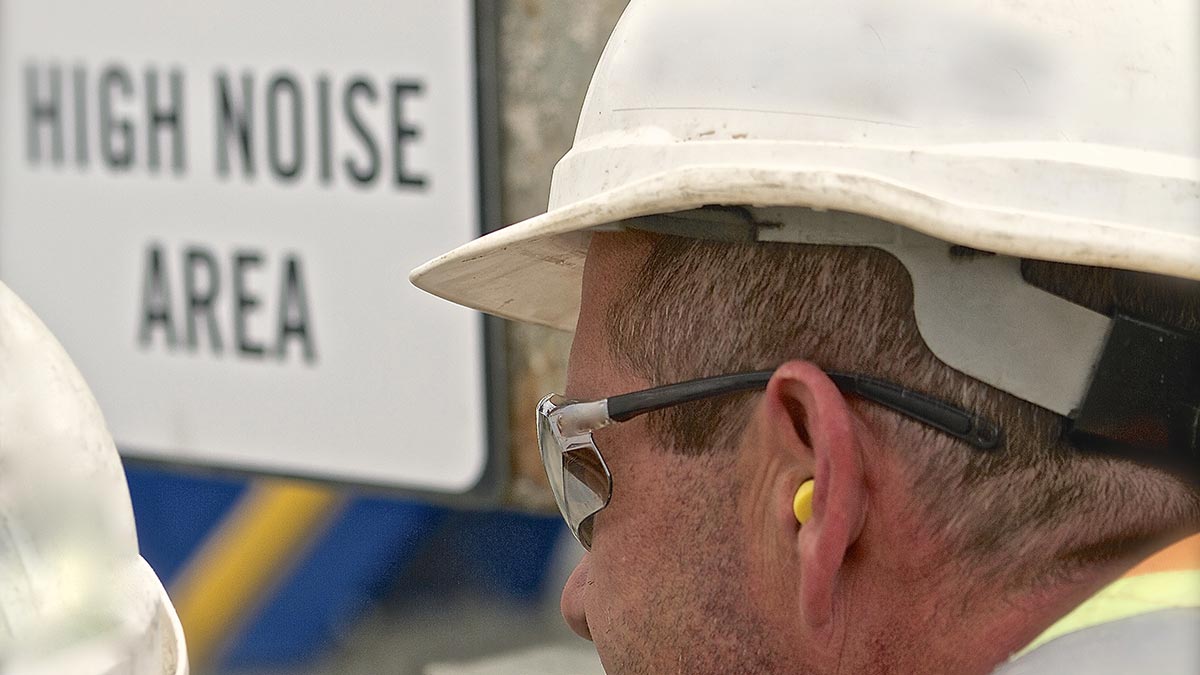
x: 886, y: 353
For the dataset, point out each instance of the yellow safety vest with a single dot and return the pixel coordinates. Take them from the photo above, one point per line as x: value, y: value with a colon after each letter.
x: 1168, y: 580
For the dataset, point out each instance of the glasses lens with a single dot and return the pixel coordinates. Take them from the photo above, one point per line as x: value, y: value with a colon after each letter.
x: 551, y: 451
x: 578, y: 476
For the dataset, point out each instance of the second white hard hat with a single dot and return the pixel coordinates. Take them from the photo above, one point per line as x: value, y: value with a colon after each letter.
x: 75, y: 595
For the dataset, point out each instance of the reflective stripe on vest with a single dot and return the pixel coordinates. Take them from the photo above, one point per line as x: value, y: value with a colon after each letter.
x: 1149, y: 618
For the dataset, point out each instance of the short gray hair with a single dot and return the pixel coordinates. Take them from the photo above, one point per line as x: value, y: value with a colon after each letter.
x: 697, y: 308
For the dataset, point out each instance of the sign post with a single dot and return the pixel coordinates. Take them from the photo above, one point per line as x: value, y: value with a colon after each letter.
x: 214, y: 206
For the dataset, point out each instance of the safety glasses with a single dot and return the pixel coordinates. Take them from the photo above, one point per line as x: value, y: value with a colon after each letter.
x: 582, y: 483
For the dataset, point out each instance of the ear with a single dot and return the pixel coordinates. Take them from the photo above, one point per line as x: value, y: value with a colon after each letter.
x: 809, y: 416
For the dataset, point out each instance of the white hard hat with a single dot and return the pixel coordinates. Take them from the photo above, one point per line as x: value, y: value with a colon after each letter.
x: 75, y: 596
x: 1044, y: 130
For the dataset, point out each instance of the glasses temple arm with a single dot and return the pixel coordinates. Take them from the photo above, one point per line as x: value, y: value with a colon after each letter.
x: 975, y: 430
x: 628, y: 406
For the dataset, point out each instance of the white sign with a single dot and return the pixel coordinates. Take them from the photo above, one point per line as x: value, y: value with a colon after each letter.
x: 215, y: 205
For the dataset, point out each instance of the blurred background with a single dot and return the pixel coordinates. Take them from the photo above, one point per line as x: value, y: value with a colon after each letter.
x: 341, y: 548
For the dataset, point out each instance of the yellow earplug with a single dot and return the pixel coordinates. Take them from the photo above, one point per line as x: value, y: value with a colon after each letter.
x: 802, y: 502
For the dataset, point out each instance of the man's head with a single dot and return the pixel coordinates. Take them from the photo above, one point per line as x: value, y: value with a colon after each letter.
x: 960, y: 137
x: 698, y: 565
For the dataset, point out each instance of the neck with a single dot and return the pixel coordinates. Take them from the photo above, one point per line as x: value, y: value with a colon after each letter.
x: 979, y: 626
x: 961, y: 620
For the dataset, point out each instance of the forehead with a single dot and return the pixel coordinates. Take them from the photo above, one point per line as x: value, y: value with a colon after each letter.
x: 613, y: 259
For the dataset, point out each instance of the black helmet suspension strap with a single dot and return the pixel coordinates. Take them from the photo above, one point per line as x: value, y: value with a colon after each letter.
x: 1143, y: 402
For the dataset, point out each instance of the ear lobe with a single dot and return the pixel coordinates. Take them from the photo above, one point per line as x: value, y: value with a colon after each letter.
x: 822, y: 426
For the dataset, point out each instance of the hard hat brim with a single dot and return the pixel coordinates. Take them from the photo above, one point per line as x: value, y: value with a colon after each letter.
x: 532, y: 271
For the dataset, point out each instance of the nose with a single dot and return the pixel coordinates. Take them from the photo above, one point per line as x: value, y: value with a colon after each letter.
x: 572, y: 600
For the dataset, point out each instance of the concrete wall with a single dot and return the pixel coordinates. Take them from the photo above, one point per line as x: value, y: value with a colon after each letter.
x: 547, y: 51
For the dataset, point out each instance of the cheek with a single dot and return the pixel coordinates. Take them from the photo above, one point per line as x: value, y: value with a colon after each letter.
x: 668, y: 582
x: 636, y: 538
x: 653, y: 512
x: 666, y: 530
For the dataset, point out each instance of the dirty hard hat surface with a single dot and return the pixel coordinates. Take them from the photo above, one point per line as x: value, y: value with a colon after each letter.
x: 1027, y: 129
